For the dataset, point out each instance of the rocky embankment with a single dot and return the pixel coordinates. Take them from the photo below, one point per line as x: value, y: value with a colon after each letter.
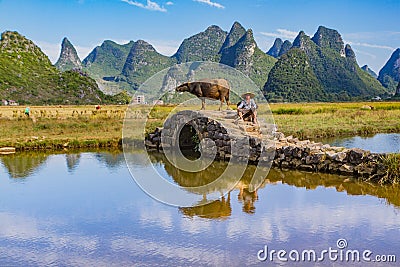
x: 307, y: 155
x: 289, y: 152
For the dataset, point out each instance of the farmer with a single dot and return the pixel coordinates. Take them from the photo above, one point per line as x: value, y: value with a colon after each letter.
x: 247, y: 108
x: 27, y: 111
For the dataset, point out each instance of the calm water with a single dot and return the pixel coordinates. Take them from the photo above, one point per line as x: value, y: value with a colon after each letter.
x: 84, y: 209
x: 379, y: 143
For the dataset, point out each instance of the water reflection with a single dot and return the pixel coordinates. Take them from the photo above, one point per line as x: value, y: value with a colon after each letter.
x: 97, y: 216
x: 21, y: 165
x: 72, y: 161
x: 24, y: 164
x: 379, y: 143
x: 390, y: 193
x: 248, y: 197
x: 218, y: 209
x: 111, y: 160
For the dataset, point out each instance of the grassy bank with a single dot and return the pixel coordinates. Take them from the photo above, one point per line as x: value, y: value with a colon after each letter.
x: 84, y: 126
x: 320, y: 120
x: 61, y: 126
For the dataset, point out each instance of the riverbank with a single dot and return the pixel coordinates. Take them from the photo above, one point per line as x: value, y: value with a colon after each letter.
x: 56, y: 127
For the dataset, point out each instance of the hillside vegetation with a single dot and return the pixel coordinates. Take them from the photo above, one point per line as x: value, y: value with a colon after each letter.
x: 28, y: 77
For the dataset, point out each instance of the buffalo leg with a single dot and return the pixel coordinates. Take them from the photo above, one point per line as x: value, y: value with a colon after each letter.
x: 227, y: 104
x: 203, y: 103
x: 222, y: 102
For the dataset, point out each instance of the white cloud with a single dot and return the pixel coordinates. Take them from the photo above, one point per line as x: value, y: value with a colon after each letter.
x: 208, y: 2
x: 372, y: 45
x: 365, y: 53
x: 281, y: 33
x: 153, y: 6
x: 169, y: 3
x: 165, y: 47
x: 50, y: 49
x: 380, y: 35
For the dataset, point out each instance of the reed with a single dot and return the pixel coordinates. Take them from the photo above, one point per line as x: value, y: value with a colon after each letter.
x: 392, y: 166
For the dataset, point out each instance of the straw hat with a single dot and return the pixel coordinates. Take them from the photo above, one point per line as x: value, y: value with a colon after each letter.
x: 248, y: 93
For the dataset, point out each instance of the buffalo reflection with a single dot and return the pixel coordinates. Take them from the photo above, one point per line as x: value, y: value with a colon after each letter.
x: 249, y: 197
x: 195, y: 182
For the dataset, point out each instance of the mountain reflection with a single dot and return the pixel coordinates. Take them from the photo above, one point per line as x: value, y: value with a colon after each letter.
x: 24, y: 164
x: 21, y: 165
x: 112, y: 159
x: 72, y: 161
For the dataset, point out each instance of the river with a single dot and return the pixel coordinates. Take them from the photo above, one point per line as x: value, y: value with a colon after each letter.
x: 82, y: 208
x: 378, y: 143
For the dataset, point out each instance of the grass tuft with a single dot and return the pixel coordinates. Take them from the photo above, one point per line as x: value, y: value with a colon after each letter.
x: 392, y: 166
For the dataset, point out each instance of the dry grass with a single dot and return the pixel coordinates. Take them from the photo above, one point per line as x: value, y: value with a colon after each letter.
x: 85, y: 125
x: 317, y: 120
x: 392, y: 166
x: 59, y: 125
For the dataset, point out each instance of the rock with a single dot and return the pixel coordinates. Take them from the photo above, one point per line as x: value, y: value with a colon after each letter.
x: 364, y: 170
x: 68, y: 59
x: 355, y: 156
x: 346, y: 169
x: 287, y: 150
x: 339, y: 157
x: 305, y: 167
x: 296, y: 163
x: 297, y: 152
x: 315, y: 158
x: 7, y: 150
x: 285, y: 165
x: 366, y: 107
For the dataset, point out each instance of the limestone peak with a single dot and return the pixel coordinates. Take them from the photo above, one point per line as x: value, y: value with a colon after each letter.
x: 69, y: 58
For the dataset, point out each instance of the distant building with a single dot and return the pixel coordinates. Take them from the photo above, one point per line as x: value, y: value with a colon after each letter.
x: 4, y: 102
x: 12, y: 103
x: 158, y: 102
x: 139, y: 99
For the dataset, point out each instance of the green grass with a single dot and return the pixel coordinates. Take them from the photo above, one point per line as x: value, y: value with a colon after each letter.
x: 392, y: 166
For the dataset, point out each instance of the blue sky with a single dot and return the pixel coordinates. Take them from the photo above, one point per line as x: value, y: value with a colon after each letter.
x: 371, y: 27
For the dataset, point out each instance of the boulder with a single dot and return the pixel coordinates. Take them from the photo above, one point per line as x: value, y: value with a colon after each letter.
x: 355, y: 155
x: 339, y: 157
x: 315, y: 158
x: 346, y: 169
x: 7, y: 150
x: 364, y: 170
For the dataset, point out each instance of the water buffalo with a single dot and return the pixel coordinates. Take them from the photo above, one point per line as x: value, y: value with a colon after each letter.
x: 213, y: 88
